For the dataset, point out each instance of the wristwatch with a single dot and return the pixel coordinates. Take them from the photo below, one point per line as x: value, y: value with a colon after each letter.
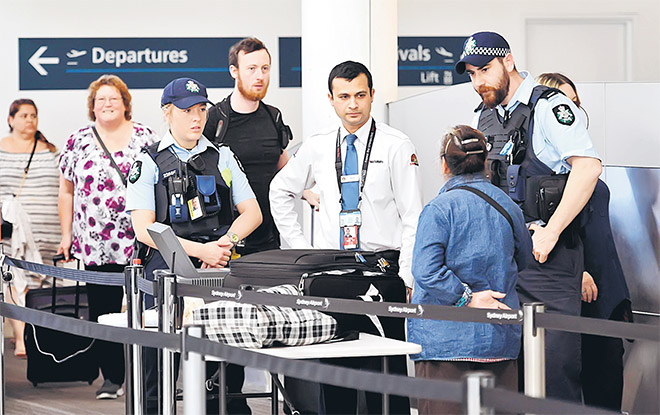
x: 233, y: 238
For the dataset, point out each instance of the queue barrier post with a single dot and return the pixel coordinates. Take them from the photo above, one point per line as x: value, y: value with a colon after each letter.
x: 194, y: 394
x: 166, y: 321
x: 534, y: 351
x: 2, y: 344
x: 134, y: 392
x: 472, y: 384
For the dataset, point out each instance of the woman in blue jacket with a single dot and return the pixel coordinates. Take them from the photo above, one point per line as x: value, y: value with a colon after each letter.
x: 467, y: 254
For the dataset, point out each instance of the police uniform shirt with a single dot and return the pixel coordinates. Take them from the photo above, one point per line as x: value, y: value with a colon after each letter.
x: 140, y: 192
x: 391, y: 200
x: 554, y: 141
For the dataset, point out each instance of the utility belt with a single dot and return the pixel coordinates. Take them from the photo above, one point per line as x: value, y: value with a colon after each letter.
x: 539, y: 195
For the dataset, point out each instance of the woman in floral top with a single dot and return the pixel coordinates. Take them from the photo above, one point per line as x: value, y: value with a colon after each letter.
x: 95, y: 226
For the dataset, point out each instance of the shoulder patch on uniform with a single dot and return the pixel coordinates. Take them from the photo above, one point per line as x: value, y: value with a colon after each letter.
x: 413, y: 160
x: 135, y: 172
x: 564, y: 114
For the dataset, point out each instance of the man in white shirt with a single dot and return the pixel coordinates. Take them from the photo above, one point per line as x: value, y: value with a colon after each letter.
x: 375, y: 196
x: 391, y: 198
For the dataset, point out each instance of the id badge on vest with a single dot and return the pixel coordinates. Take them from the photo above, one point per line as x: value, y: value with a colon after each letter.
x: 349, y: 223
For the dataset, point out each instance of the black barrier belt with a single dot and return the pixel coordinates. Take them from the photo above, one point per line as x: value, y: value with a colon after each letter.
x: 147, y: 286
x: 512, y: 402
x: 317, y: 372
x: 90, y: 329
x: 340, y: 305
x: 93, y: 277
x: 379, y: 383
x: 574, y: 324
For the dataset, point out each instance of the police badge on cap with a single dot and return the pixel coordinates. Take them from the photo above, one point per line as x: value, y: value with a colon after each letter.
x: 481, y: 48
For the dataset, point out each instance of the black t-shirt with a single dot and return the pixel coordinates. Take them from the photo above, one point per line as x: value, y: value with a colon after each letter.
x: 254, y: 139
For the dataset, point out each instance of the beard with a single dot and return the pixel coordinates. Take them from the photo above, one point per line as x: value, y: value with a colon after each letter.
x: 493, y: 96
x: 249, y: 94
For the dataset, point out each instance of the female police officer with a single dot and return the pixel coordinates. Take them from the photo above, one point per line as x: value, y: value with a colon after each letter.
x: 186, y: 182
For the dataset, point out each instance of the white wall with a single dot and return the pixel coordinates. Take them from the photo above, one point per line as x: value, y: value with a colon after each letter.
x: 61, y: 112
x: 517, y: 20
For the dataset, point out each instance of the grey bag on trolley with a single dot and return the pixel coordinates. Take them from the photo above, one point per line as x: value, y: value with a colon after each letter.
x: 257, y: 326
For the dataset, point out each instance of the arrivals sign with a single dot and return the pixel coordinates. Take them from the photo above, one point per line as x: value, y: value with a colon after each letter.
x: 73, y: 63
x: 428, y: 61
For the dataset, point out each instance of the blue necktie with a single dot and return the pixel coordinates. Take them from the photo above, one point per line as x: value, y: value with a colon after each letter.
x: 350, y: 191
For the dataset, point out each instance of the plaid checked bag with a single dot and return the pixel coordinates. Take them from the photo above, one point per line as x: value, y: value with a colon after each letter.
x: 257, y: 326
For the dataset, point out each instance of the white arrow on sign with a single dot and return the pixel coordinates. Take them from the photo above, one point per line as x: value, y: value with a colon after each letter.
x: 36, y: 61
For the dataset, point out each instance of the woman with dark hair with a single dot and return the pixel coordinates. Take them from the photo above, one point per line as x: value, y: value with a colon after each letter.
x: 28, y: 193
x: 471, y: 243
x: 96, y: 228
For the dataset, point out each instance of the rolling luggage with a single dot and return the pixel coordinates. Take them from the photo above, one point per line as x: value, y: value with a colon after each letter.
x: 55, y: 356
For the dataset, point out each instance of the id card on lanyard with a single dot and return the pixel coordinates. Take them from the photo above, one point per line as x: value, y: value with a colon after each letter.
x: 350, y: 220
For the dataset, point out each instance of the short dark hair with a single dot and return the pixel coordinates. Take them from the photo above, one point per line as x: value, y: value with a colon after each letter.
x: 350, y: 70
x: 247, y: 45
x: 464, y: 149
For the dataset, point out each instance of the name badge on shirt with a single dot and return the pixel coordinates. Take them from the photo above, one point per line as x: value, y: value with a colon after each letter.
x: 349, y: 178
x: 349, y: 222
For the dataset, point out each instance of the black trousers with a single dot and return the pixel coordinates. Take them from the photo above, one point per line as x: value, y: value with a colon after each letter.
x: 557, y: 283
x: 235, y: 374
x: 105, y: 299
x: 602, y: 371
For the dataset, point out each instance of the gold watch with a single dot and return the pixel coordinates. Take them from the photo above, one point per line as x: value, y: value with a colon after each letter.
x: 233, y: 238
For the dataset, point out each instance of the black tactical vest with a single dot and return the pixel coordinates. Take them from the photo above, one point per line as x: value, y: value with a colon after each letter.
x: 516, y: 127
x: 208, y: 228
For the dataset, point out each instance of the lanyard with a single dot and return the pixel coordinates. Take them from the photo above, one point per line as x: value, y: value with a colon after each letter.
x: 365, y: 162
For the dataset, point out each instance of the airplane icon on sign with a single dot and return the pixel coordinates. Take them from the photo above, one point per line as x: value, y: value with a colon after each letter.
x: 72, y: 54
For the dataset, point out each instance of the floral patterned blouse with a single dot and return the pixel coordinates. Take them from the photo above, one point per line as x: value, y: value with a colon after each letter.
x: 102, y: 229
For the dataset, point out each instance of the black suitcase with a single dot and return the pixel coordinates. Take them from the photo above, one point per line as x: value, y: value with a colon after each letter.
x: 55, y: 356
x: 287, y: 266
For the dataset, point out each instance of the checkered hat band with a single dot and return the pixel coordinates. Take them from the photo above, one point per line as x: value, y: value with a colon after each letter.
x: 480, y: 50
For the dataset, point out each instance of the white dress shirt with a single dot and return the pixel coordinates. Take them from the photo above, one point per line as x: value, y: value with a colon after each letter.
x: 391, y: 200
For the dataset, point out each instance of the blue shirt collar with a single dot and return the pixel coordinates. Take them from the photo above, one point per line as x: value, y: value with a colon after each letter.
x: 462, y: 180
x: 522, y: 94
x: 168, y: 141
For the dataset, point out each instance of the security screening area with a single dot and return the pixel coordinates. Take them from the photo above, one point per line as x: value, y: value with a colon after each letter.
x: 401, y: 207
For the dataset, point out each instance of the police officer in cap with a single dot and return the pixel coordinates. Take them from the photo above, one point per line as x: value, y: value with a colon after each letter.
x: 188, y: 183
x: 535, y: 140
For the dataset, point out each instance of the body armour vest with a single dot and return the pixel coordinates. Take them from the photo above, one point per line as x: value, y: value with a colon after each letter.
x: 212, y: 225
x: 511, y: 160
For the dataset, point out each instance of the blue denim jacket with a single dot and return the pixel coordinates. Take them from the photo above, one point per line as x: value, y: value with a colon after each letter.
x: 463, y: 239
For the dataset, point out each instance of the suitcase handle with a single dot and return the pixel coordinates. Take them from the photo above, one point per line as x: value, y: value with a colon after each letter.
x: 53, y: 300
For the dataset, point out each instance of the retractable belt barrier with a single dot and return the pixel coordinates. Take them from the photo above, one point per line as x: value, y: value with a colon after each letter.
x: 499, y: 399
x: 92, y: 277
x: 550, y: 321
x: 340, y: 305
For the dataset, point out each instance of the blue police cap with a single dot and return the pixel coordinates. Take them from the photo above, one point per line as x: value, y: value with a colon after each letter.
x: 184, y: 93
x: 481, y: 48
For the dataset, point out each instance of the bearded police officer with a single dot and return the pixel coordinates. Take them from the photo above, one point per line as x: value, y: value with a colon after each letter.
x: 370, y: 191
x: 534, y: 141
